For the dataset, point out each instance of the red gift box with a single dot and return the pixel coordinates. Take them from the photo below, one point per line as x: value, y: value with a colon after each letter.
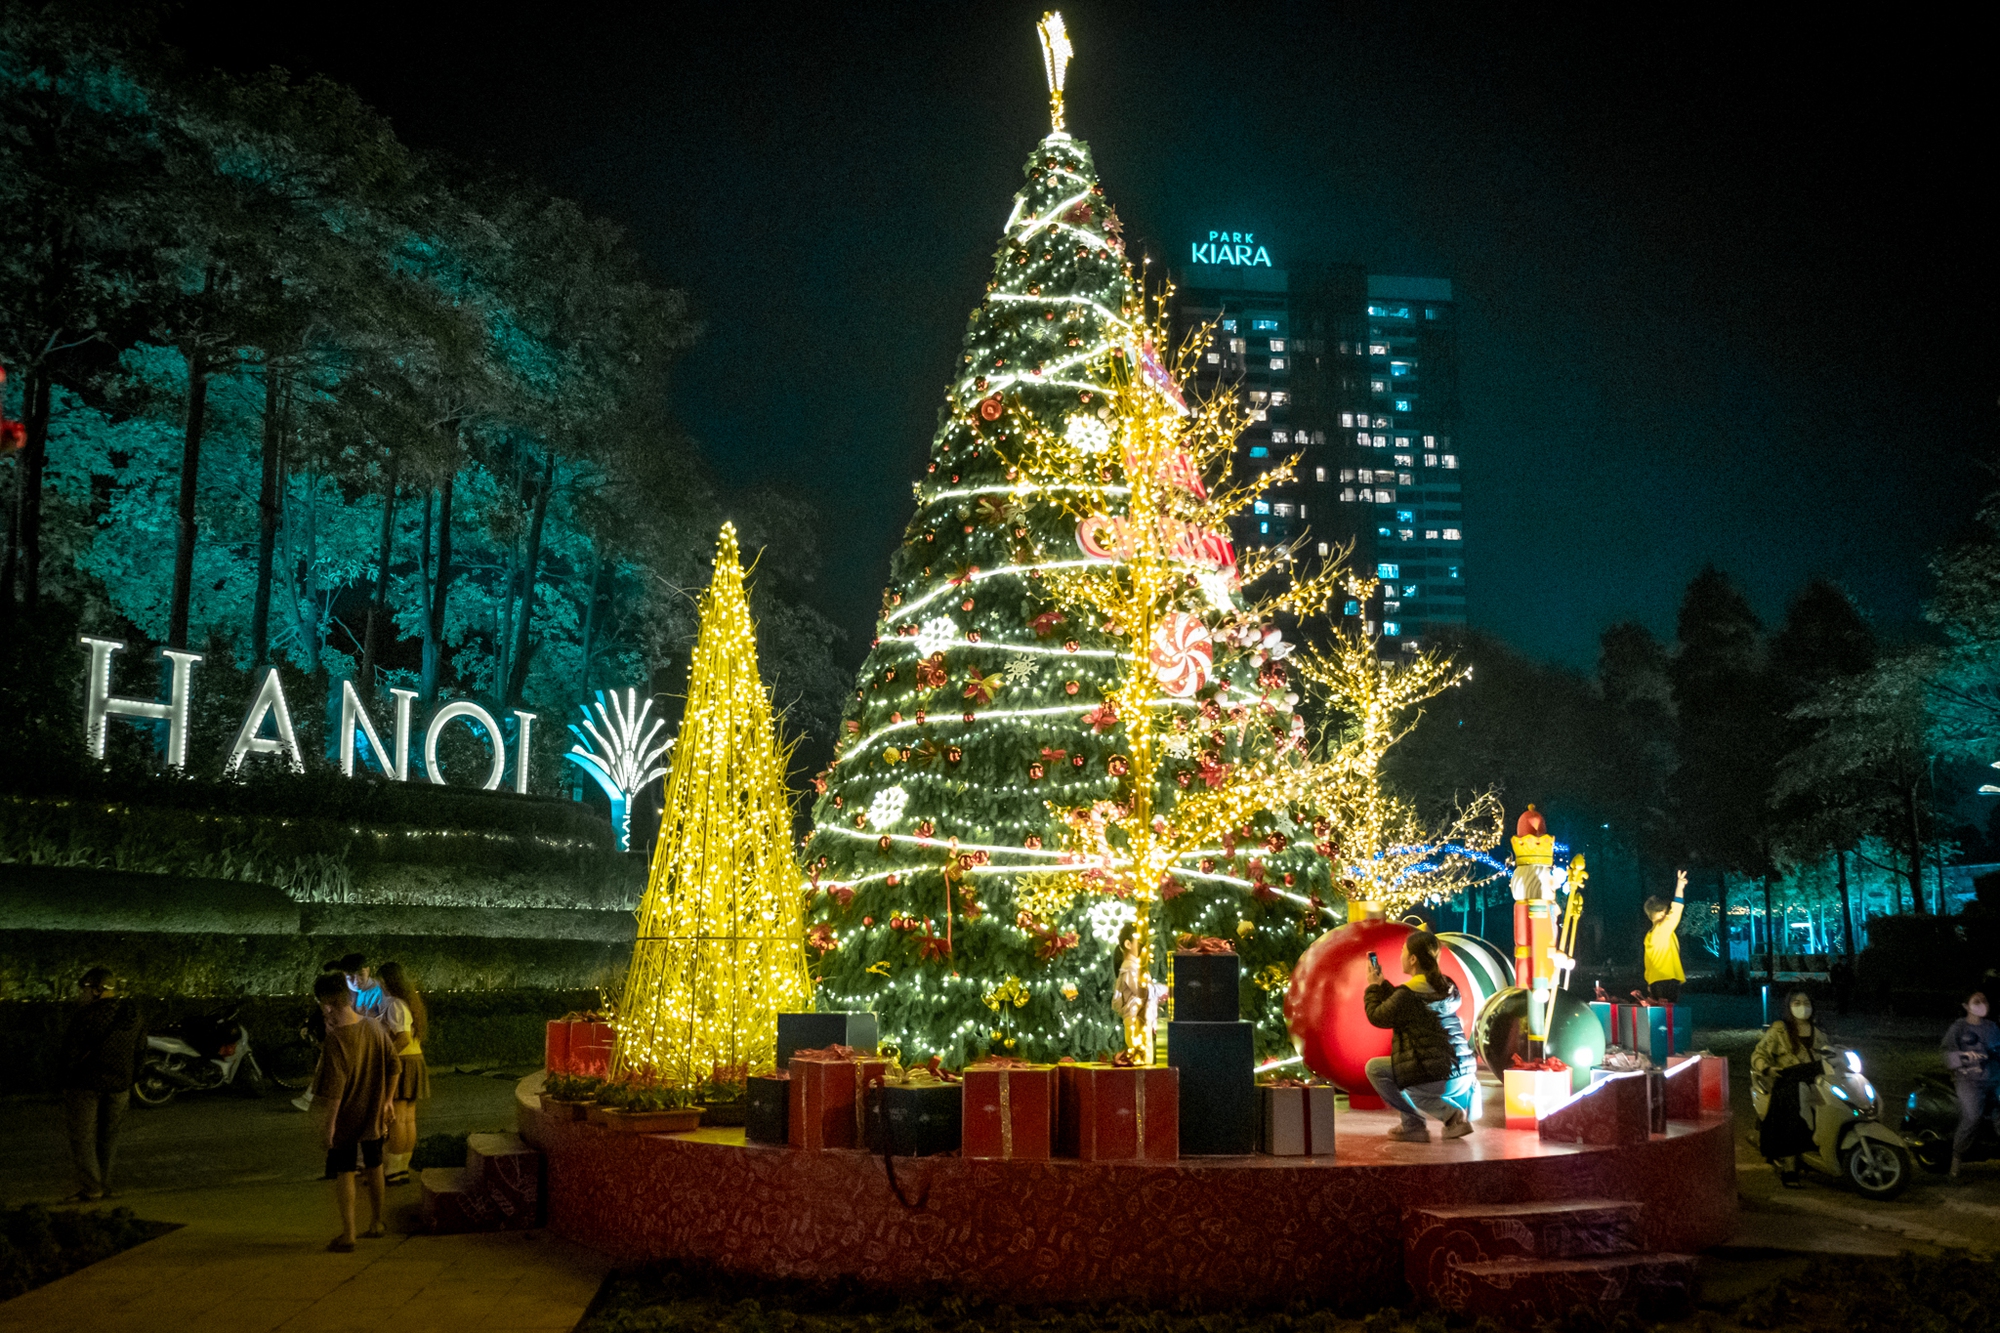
x: 829, y: 1097
x: 555, y: 1056
x: 1118, y: 1113
x: 1010, y: 1110
x: 579, y: 1046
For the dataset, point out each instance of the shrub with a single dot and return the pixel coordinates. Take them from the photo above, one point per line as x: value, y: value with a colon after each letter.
x: 38, y: 1246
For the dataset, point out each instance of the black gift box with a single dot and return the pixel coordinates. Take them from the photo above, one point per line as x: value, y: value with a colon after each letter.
x: 923, y: 1119
x: 768, y: 1116
x: 812, y: 1032
x: 1205, y: 986
x: 1218, y: 1079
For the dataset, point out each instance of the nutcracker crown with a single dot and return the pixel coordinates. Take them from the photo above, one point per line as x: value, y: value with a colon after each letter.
x: 1056, y: 53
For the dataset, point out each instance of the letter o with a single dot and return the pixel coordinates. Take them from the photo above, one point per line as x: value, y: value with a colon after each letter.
x: 471, y: 712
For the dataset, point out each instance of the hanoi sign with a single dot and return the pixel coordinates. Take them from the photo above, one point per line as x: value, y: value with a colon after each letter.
x: 1231, y: 247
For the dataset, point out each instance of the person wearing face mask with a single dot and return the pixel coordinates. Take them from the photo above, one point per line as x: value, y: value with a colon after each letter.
x: 1785, y: 1062
x: 1972, y: 1053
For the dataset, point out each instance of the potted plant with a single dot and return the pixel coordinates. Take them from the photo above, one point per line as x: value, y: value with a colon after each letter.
x: 570, y: 1096
x: 641, y: 1104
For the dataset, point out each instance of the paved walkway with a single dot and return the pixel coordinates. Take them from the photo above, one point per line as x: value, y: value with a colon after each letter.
x: 253, y: 1258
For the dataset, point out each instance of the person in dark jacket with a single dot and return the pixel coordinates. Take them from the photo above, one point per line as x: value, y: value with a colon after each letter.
x: 100, y: 1052
x: 1429, y: 1069
x: 1971, y: 1049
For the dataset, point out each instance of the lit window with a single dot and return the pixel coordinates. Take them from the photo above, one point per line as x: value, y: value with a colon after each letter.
x: 1263, y: 527
x: 1277, y: 363
x: 1406, y: 534
x: 1379, y: 386
x: 1430, y: 534
x: 1392, y: 607
x: 1385, y: 532
x: 1402, y: 404
x: 1404, y: 479
x: 1353, y: 608
x: 1239, y: 345
x: 1258, y: 396
x: 1280, y: 437
x: 1402, y: 441
x: 1367, y: 475
x: 1261, y: 507
x: 1409, y: 590
x: 1264, y: 325
x: 1347, y: 419
x: 1451, y: 571
x: 1282, y: 510
x: 1430, y: 441
x: 1279, y: 397
x: 1381, y: 441
x: 1302, y: 511
x: 1387, y: 571
x: 1259, y: 415
x: 1452, y: 535
x: 1367, y: 627
x: 1398, y: 369
x: 1430, y: 312
x: 1324, y: 549
x: 1450, y: 460
x: 1377, y: 311
x: 1319, y: 437
x: 1347, y: 474
x: 1229, y: 326
x: 1390, y: 629
x: 1258, y: 451
x: 1362, y: 439
x: 1430, y: 460
x: 1215, y: 358
x: 1277, y: 344
x: 1378, y: 349
x: 1385, y: 497
x: 1406, y: 516
x: 1406, y: 460
x: 1348, y: 496
x: 1319, y: 474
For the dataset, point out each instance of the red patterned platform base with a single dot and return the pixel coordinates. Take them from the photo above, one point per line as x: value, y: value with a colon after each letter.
x: 1215, y: 1230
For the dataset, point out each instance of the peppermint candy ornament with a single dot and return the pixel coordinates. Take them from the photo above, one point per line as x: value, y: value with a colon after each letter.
x: 1182, y: 654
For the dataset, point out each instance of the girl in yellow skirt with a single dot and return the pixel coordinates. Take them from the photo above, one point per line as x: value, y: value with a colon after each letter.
x: 407, y: 1023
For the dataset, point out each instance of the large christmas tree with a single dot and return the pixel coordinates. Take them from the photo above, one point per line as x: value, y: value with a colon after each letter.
x: 978, y: 843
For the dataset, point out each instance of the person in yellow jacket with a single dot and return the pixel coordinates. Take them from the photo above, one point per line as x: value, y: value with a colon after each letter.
x: 1664, y: 973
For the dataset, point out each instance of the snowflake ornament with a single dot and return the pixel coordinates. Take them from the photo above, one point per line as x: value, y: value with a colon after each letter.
x: 887, y: 807
x: 1019, y: 670
x: 1215, y: 587
x: 1178, y: 745
x: 1088, y: 435
x: 938, y: 633
x: 1108, y: 916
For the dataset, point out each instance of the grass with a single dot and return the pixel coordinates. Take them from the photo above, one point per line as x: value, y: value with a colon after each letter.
x: 1907, y: 1294
x: 38, y: 1245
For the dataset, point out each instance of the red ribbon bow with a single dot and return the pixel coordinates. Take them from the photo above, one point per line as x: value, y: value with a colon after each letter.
x: 1205, y: 944
x: 1547, y: 1063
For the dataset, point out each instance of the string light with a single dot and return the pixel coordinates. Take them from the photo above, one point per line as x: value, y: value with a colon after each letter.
x: 721, y: 947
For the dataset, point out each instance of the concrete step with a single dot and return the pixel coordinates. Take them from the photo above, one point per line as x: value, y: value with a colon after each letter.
x: 1438, y: 1239
x: 1528, y: 1292
x: 454, y: 1204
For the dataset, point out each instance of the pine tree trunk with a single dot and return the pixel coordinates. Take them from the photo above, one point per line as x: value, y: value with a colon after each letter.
x: 1770, y: 933
x: 518, y: 677
x: 1722, y: 900
x: 590, y: 620
x: 1917, y: 903
x: 267, y: 523
x: 28, y: 498
x: 371, y: 634
x: 439, y: 592
x: 184, y: 531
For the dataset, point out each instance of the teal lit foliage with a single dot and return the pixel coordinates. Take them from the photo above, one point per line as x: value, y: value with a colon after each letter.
x: 968, y: 733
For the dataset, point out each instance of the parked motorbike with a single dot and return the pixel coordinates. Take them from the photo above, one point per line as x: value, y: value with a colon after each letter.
x: 1930, y: 1118
x: 1850, y: 1141
x: 194, y: 1055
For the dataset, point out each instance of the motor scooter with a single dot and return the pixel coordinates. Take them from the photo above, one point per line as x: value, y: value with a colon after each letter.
x: 196, y: 1054
x: 1930, y: 1119
x: 1850, y: 1142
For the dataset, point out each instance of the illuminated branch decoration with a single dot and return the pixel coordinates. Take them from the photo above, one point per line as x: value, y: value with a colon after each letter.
x: 1389, y: 854
x: 721, y: 945
x: 1056, y: 53
x: 617, y: 757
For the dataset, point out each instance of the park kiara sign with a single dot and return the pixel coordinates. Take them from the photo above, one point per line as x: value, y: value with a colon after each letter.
x: 1231, y: 247
x: 268, y: 706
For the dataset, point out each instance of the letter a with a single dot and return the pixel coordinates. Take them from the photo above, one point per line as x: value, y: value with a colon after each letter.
x: 270, y: 700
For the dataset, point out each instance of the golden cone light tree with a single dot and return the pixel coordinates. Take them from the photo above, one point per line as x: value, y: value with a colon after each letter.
x: 721, y: 947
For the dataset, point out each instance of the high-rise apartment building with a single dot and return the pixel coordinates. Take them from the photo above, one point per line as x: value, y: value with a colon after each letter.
x: 1357, y: 374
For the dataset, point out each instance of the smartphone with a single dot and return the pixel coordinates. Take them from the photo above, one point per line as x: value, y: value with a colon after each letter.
x: 1373, y: 961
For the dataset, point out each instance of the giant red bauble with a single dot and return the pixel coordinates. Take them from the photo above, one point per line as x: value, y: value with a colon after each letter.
x: 1323, y: 1006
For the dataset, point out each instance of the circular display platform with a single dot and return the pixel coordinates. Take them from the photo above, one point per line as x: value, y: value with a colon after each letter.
x: 1205, y: 1229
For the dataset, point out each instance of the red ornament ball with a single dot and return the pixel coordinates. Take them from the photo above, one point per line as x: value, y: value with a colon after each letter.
x: 1323, y: 1006
x: 990, y: 408
x: 1071, y: 687
x: 1035, y: 771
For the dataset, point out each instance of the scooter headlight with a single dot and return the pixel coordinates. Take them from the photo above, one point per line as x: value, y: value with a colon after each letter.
x: 1854, y: 1062
x: 1839, y: 1092
x: 1869, y: 1088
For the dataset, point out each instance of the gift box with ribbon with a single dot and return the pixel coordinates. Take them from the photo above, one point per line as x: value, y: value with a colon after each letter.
x: 1207, y: 975
x: 1218, y: 1086
x: 829, y: 1097
x: 1118, y: 1113
x: 579, y: 1044
x: 1532, y: 1093
x: 800, y: 1032
x: 1297, y: 1118
x: 767, y: 1113
x: 1654, y: 1030
x: 1010, y: 1110
x: 919, y: 1113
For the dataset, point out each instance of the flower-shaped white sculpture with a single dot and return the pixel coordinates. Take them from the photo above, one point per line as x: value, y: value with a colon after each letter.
x: 620, y: 760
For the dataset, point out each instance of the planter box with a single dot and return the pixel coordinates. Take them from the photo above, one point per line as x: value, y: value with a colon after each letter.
x: 678, y: 1121
x: 563, y: 1109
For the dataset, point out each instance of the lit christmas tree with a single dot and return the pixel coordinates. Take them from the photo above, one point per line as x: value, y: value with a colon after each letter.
x: 1389, y: 854
x: 1071, y: 724
x: 721, y: 947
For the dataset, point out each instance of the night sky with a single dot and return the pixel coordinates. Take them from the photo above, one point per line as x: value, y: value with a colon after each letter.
x: 1720, y: 298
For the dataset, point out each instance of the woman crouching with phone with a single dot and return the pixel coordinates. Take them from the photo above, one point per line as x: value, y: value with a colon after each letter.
x: 1429, y: 1069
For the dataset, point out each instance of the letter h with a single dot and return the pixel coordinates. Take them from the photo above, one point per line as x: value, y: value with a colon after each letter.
x: 100, y: 705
